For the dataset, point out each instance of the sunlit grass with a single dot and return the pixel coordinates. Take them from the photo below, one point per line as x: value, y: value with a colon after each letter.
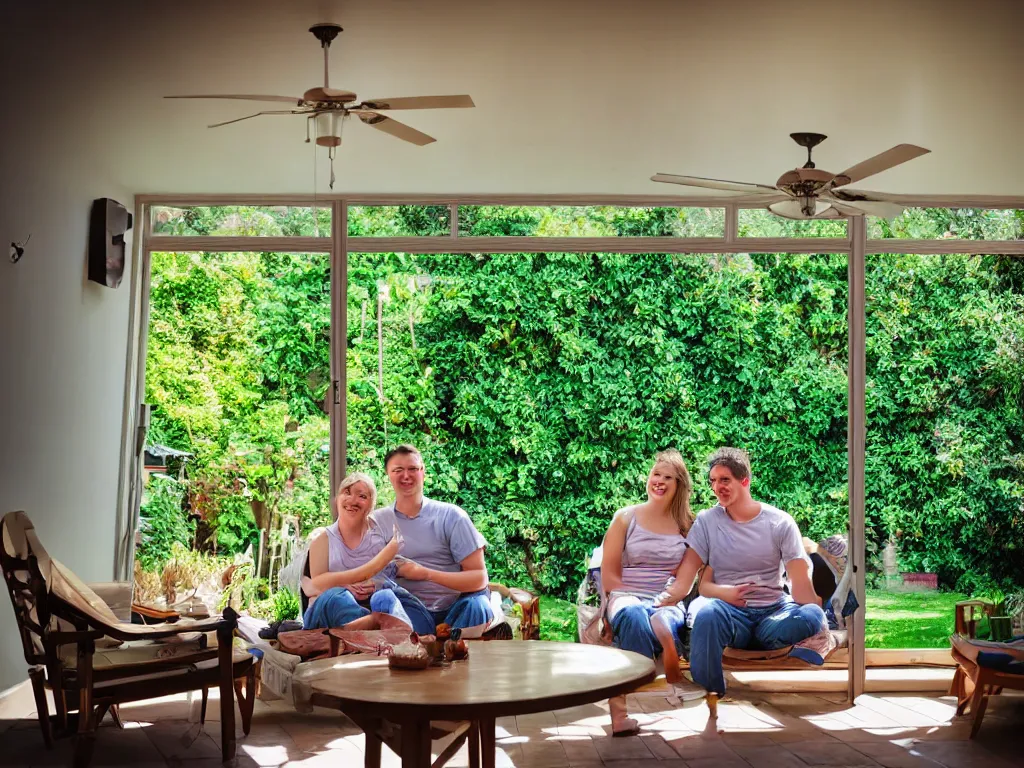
x: 909, y: 619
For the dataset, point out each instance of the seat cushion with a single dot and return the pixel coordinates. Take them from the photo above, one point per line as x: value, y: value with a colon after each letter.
x: 140, y: 651
x: 237, y: 655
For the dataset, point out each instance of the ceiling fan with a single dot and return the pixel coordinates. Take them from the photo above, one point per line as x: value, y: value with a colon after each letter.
x: 810, y: 193
x: 328, y: 108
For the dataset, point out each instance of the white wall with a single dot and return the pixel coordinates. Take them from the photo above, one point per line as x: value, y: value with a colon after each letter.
x: 572, y: 96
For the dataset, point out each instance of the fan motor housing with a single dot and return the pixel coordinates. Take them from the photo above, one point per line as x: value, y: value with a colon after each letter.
x: 804, y: 180
x: 328, y: 95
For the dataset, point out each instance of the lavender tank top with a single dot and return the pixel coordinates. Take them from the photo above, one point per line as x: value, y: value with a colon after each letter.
x: 650, y: 560
x: 342, y: 558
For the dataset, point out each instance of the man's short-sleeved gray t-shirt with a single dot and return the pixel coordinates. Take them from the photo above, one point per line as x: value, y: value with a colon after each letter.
x: 440, y: 537
x: 754, y: 552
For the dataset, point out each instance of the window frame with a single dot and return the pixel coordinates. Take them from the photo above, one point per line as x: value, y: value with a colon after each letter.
x: 339, y: 245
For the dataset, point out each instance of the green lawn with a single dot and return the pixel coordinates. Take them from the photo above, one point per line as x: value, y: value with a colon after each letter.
x: 910, y: 619
x: 894, y: 620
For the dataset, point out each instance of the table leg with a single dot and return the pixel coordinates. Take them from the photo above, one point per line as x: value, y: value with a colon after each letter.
x: 416, y: 744
x: 371, y: 728
x: 473, y: 745
x: 487, y: 747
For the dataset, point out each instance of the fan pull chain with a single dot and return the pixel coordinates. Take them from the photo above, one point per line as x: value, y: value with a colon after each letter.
x: 316, y: 219
x: 330, y: 155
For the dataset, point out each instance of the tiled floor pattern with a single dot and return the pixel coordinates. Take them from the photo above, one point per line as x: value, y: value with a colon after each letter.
x: 764, y: 730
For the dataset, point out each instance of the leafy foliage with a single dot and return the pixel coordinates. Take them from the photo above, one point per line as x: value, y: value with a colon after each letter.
x: 540, y: 385
x: 163, y: 522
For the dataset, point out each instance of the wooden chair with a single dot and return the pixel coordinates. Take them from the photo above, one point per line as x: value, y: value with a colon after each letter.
x: 973, y: 683
x: 91, y: 661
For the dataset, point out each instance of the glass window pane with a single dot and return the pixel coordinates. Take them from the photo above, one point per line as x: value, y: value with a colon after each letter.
x: 241, y: 220
x: 760, y: 222
x: 589, y: 221
x: 950, y: 224
x: 944, y: 487
x: 237, y: 372
x: 399, y: 220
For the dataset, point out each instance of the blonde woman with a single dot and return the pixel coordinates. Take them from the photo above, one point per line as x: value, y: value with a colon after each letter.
x: 642, y: 556
x: 343, y: 560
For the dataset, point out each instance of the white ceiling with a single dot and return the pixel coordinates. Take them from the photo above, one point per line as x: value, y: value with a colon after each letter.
x: 572, y: 95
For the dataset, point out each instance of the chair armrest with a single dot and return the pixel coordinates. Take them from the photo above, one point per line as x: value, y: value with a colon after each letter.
x: 126, y: 631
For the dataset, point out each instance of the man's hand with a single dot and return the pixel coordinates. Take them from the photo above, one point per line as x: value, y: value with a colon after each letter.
x: 397, y: 540
x: 412, y: 571
x: 735, y: 595
x: 665, y: 599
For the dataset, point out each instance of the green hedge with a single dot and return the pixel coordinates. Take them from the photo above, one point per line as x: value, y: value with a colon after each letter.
x: 539, y: 386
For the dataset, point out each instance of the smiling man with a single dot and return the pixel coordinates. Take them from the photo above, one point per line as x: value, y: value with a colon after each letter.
x: 441, y: 570
x: 746, y: 545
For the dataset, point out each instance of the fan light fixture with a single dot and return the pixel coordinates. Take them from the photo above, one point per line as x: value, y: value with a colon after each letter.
x: 800, y: 208
x: 328, y: 128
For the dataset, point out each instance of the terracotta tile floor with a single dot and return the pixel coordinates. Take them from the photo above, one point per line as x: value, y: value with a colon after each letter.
x: 765, y: 730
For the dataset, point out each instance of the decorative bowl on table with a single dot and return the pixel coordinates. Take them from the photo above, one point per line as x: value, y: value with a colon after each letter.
x: 409, y: 654
x: 409, y: 662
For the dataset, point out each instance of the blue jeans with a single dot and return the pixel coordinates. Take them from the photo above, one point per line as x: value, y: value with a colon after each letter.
x: 632, y: 630
x: 720, y: 625
x: 469, y: 610
x: 337, y: 607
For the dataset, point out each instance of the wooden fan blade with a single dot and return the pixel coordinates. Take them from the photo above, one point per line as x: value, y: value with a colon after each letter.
x: 270, y: 112
x: 855, y: 195
x: 395, y: 128
x: 883, y: 161
x: 881, y: 209
x: 728, y: 186
x: 420, y: 102
x: 244, y: 97
x: 845, y: 210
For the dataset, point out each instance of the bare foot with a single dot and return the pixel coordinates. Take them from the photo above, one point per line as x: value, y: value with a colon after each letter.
x: 670, y: 656
x: 622, y: 725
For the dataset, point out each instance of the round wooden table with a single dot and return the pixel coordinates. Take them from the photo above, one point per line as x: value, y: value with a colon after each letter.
x: 499, y: 678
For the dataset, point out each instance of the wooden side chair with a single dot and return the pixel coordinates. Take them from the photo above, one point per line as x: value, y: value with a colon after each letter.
x: 984, y: 668
x: 91, y: 661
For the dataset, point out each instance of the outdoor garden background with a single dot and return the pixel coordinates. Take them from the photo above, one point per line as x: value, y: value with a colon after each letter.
x: 539, y: 387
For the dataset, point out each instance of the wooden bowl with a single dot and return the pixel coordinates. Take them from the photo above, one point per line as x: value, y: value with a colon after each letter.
x: 409, y: 662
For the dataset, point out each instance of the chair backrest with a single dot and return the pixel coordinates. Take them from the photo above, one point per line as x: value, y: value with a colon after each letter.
x: 34, y: 579
x: 304, y: 554
x: 27, y: 568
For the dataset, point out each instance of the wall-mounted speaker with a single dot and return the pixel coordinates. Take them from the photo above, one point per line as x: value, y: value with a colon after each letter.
x: 108, y: 225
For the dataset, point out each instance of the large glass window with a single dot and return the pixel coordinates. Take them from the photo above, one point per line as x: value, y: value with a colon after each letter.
x: 539, y: 385
x: 945, y: 440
